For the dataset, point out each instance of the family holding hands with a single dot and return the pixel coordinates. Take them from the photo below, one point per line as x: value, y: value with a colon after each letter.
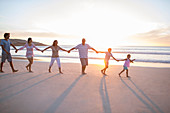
x: 82, y: 48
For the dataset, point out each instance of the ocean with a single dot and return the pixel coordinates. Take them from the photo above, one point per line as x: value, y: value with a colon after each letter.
x: 144, y: 55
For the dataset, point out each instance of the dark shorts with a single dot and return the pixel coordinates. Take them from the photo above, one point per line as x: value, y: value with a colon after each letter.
x: 84, y: 61
x: 6, y: 56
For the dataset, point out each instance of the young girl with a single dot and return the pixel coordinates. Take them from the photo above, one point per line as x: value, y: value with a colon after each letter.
x: 29, y: 54
x: 55, y: 56
x: 106, y: 60
x: 126, y: 64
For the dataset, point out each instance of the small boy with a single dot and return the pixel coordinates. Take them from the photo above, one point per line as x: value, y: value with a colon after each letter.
x: 106, y: 60
x: 126, y: 65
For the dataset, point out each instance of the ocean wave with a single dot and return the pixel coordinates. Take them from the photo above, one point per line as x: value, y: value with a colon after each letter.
x: 95, y: 58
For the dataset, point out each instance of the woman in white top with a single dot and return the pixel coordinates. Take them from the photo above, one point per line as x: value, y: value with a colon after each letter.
x: 55, y: 56
x: 29, y: 53
x: 126, y: 64
x: 106, y: 60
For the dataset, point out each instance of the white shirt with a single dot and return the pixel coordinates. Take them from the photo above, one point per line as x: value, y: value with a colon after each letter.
x: 108, y: 55
x: 83, y: 50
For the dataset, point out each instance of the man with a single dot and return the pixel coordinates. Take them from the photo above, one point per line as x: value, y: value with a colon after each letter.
x: 5, y: 44
x: 83, y: 53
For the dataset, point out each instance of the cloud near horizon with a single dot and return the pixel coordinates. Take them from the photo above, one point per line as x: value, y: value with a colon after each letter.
x: 159, y: 37
x: 37, y: 34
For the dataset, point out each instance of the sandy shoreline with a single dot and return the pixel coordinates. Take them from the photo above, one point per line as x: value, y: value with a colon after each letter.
x: 41, y: 92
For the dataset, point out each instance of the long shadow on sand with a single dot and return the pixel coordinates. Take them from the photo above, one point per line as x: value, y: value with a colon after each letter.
x: 13, y: 85
x: 156, y: 106
x: 61, y: 98
x: 104, y: 96
x: 14, y: 94
x: 140, y: 98
x: 13, y: 74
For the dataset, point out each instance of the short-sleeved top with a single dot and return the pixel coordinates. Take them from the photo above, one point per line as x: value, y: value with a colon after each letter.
x: 55, y: 51
x: 107, y: 56
x: 83, y: 50
x: 6, y: 44
x: 29, y: 52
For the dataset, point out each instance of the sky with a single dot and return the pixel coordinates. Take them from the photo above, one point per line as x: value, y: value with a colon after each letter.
x: 101, y: 22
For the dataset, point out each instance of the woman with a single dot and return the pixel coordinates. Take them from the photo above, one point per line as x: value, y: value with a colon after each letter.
x: 29, y: 53
x: 55, y: 56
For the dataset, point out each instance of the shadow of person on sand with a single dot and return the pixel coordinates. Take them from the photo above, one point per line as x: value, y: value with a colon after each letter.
x: 140, y: 98
x: 18, y: 83
x: 4, y: 76
x: 35, y: 84
x: 104, y: 95
x: 156, y: 106
x: 60, y: 99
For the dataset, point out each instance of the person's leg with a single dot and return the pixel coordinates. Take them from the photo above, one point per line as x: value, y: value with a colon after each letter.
x: 4, y: 57
x: 30, y: 63
x: 106, y: 66
x: 83, y: 69
x: 51, y: 63
x: 83, y: 63
x: 27, y: 67
x: 127, y: 73
x: 12, y: 67
x: 1, y: 67
x: 59, y: 65
x: 9, y: 58
x: 105, y: 69
x: 121, y: 72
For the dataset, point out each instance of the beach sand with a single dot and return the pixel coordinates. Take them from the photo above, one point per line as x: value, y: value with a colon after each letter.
x: 147, y: 91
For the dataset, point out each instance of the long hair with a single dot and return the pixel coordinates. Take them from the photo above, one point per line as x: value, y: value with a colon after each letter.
x: 54, y: 42
x: 29, y: 39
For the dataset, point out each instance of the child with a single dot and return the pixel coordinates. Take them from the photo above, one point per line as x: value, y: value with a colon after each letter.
x: 55, y: 56
x: 126, y: 64
x: 29, y: 54
x: 106, y: 60
x: 5, y: 44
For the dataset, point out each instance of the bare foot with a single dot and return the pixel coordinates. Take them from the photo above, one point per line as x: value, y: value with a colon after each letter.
x: 102, y: 71
x: 15, y: 70
x: 26, y: 67
x: 119, y: 75
x: 84, y: 73
x: 1, y: 71
x: 31, y: 71
x: 49, y: 70
x: 61, y: 72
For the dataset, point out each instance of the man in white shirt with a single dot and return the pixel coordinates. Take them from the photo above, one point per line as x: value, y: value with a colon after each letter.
x: 83, y: 53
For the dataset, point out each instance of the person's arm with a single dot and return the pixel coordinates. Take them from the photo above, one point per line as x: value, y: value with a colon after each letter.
x: 115, y: 58
x: 36, y: 48
x: 101, y: 52
x: 122, y: 60
x: 63, y: 49
x: 20, y: 48
x: 46, y: 48
x: 4, y: 49
x: 132, y: 60
x: 71, y: 49
x: 13, y: 46
x: 94, y: 50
